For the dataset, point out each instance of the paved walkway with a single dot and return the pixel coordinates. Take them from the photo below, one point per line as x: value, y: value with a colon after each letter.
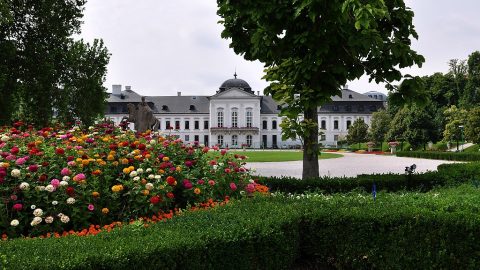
x: 349, y: 165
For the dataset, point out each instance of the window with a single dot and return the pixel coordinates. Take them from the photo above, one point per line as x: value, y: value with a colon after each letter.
x: 168, y: 125
x: 373, y: 108
x: 187, y: 124
x: 335, y: 137
x: 234, y: 118
x: 159, y: 124
x: 197, y: 124
x: 220, y: 140
x: 323, y: 124
x: 187, y: 138
x: 349, y: 123
x: 264, y: 124
x: 361, y: 108
x: 196, y: 138
x: 234, y: 139
x: 274, y: 124
x: 249, y: 118
x: 249, y: 140
x: 335, y: 108
x: 205, y: 124
x: 274, y: 141
x: 177, y: 124
x: 348, y: 108
x: 335, y: 124
x: 220, y: 119
x: 323, y: 137
x: 205, y: 140
x: 113, y: 109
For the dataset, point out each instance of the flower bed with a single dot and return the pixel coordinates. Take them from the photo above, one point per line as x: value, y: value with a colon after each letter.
x: 57, y: 180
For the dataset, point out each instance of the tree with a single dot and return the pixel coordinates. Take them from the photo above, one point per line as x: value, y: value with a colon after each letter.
x: 311, y: 48
x: 471, y: 96
x: 358, y: 131
x: 454, y: 118
x: 472, y: 127
x: 379, y: 126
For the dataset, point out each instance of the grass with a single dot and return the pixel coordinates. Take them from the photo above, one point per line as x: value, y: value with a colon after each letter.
x: 277, y: 156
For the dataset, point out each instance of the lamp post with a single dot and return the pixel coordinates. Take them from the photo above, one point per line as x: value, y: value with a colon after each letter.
x: 461, y: 135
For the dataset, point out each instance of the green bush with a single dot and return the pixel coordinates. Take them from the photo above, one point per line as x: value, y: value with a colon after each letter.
x: 398, y: 231
x: 472, y: 149
x: 459, y: 156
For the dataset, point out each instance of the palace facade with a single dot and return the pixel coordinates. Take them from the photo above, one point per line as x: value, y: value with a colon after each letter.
x: 235, y: 116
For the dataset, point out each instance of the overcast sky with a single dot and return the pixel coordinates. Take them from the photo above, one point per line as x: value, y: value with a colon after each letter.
x: 160, y: 47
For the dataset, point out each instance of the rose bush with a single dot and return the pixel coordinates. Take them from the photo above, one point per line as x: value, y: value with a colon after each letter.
x: 54, y: 180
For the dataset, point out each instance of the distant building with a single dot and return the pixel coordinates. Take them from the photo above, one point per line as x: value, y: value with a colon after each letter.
x: 376, y: 95
x: 235, y: 116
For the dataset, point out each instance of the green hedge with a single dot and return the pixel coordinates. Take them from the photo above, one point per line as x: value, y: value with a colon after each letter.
x: 447, y: 175
x: 459, y: 156
x: 398, y: 231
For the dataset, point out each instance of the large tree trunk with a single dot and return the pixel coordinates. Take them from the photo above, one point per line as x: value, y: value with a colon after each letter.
x: 310, y: 149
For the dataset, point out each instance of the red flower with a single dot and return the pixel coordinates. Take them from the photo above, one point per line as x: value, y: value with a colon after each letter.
x: 70, y: 191
x: 70, y: 158
x: 170, y: 195
x: 43, y: 178
x: 14, y: 150
x: 33, y: 168
x: 142, y: 146
x: 155, y: 199
x: 59, y: 151
x: 171, y: 180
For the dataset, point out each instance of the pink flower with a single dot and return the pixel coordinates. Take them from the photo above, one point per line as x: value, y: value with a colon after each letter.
x: 233, y: 187
x: 79, y: 177
x: 55, y: 183
x: 223, y: 152
x: 20, y: 161
x: 250, y: 188
x: 227, y: 170
x: 33, y: 168
x: 10, y: 157
x: 91, y: 207
x: 17, y: 207
x: 188, y: 163
x: 187, y: 184
x: 65, y: 171
x: 211, y: 182
x: 200, y: 182
x: 71, y: 163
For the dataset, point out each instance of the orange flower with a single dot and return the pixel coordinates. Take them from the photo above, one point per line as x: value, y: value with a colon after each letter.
x: 165, y: 159
x: 95, y: 194
x: 124, y: 161
x: 105, y: 210
x: 110, y: 157
x: 85, y: 162
x: 126, y: 170
x: 97, y: 172
x: 145, y: 192
x: 197, y: 191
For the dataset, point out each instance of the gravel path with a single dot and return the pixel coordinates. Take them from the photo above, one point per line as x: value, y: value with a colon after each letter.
x: 349, y: 165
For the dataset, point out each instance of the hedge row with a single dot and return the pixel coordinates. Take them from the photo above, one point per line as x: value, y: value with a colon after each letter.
x: 447, y: 175
x: 459, y: 156
x: 410, y: 231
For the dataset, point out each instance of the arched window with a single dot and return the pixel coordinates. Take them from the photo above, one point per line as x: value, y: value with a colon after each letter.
x: 220, y: 140
x: 249, y: 140
x: 274, y: 124
x: 249, y: 115
x: 220, y: 118
x: 234, y: 118
x: 234, y: 140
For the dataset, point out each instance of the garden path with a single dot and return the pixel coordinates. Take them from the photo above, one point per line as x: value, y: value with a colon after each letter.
x: 350, y: 165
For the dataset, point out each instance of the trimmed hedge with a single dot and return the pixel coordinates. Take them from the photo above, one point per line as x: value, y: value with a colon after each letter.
x: 447, y: 175
x: 398, y: 231
x: 459, y: 156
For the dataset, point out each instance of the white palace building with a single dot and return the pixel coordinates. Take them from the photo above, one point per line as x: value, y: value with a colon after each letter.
x: 236, y: 117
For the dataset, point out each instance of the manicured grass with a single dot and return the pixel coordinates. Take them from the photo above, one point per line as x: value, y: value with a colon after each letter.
x: 277, y: 156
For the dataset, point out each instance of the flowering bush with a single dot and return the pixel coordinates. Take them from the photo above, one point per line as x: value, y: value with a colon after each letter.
x: 58, y: 180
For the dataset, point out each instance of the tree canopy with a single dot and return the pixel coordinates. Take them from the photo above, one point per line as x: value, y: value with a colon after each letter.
x: 357, y: 133
x: 311, y: 48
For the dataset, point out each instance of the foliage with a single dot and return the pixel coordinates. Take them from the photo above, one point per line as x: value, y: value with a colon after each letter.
x: 459, y: 156
x: 472, y: 125
x: 278, y: 156
x: 280, y: 232
x: 472, y: 149
x: 471, y: 96
x: 379, y: 126
x: 454, y: 118
x: 39, y: 59
x: 54, y: 180
x: 358, y: 131
x: 311, y: 48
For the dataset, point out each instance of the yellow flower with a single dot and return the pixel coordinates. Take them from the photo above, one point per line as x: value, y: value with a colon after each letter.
x: 126, y: 170
x: 105, y: 211
x: 85, y: 162
x: 131, y: 168
x: 145, y: 192
x: 115, y: 163
x: 95, y: 194
x: 178, y: 169
x: 110, y: 157
x: 196, y: 191
x: 78, y: 160
x: 124, y: 161
x: 165, y: 159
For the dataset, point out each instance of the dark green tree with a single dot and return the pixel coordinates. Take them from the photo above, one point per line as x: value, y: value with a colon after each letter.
x: 379, y: 126
x: 311, y: 48
x: 472, y: 126
x: 358, y: 132
x: 471, y: 96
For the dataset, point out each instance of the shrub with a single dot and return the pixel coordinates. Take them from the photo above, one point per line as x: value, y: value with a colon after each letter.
x: 459, y: 156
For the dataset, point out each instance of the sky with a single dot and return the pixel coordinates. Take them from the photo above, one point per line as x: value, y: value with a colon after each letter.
x: 161, y: 47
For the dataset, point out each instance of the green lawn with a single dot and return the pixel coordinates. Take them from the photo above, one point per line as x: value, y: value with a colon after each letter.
x: 275, y: 156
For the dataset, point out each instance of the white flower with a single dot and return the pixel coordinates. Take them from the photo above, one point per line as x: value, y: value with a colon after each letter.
x: 49, y: 219
x: 149, y: 170
x: 40, y: 188
x: 54, y: 202
x: 215, y: 167
x: 64, y: 219
x: 158, y: 177
x: 90, y: 128
x: 66, y: 178
x: 50, y: 188
x: 33, y: 206
x: 36, y: 221
x: 38, y: 212
x: 140, y: 171
x: 5, y: 138
x: 14, y: 222
x: 70, y: 200
x: 60, y: 215
x: 136, y: 178
x: 251, y: 181
x: 152, y: 141
x: 149, y: 186
x: 133, y: 174
x: 220, y: 164
x: 24, y: 186
x: 15, y: 173
x: 63, y: 183
x: 151, y: 176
